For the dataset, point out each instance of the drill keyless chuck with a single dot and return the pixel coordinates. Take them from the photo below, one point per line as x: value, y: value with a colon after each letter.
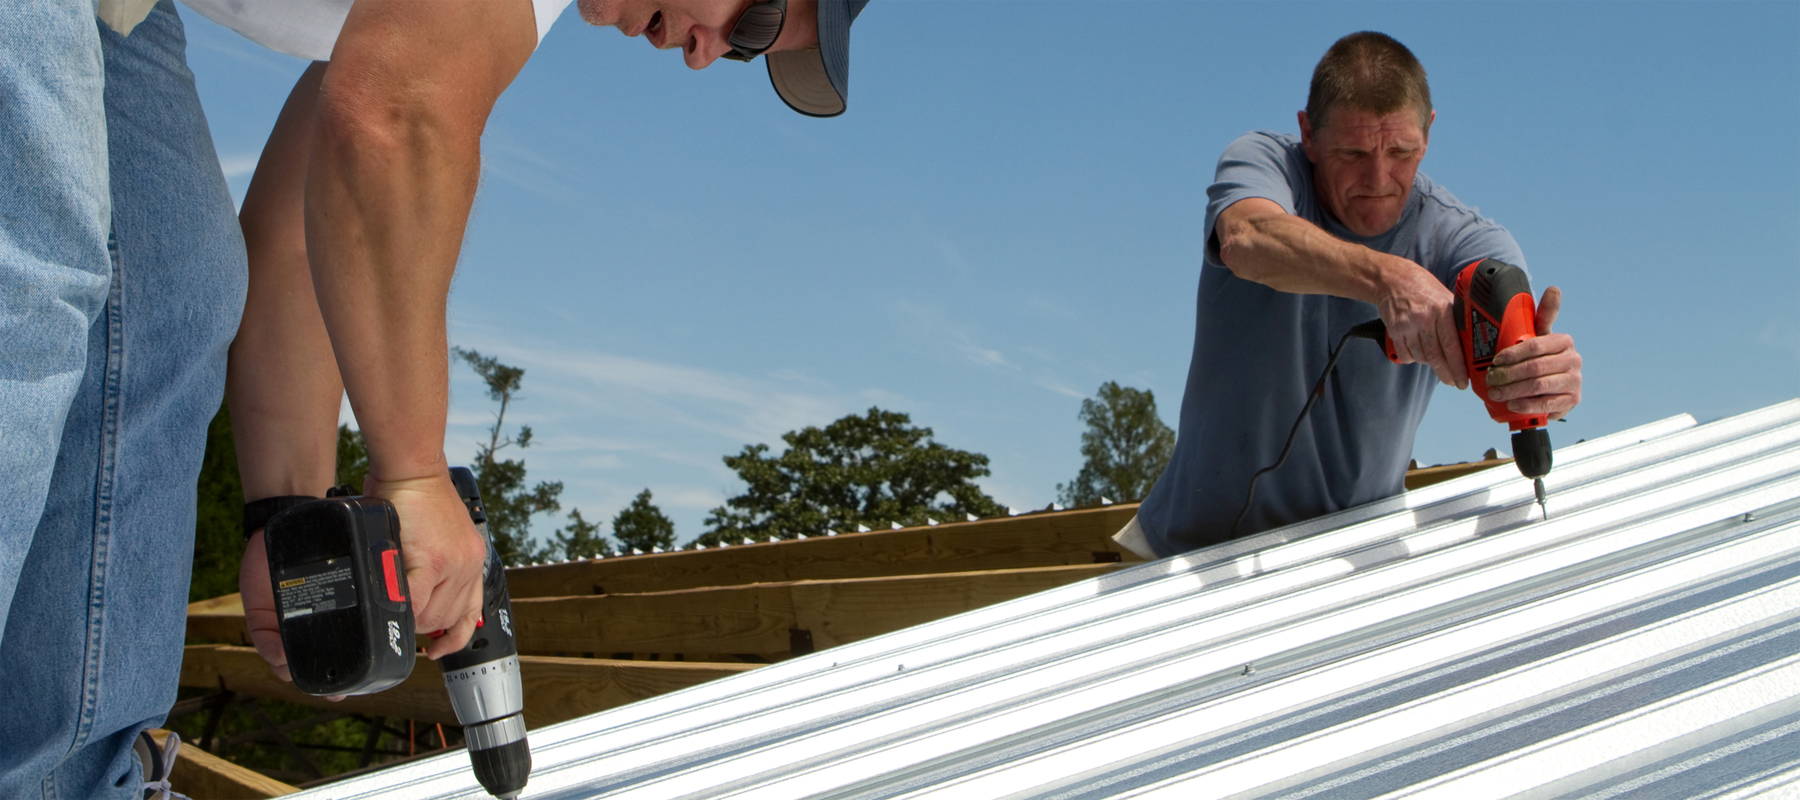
x: 1531, y: 452
x: 490, y: 705
x: 500, y: 755
x: 483, y: 677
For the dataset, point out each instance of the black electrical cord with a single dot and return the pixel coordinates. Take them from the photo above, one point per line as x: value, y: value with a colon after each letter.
x: 1374, y: 330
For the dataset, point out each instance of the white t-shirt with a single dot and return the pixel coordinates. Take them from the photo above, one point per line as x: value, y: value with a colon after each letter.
x: 309, y: 28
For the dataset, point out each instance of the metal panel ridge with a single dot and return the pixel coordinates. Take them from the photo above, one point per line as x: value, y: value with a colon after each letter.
x: 1006, y: 697
x: 1303, y: 719
x: 954, y: 715
x: 861, y: 684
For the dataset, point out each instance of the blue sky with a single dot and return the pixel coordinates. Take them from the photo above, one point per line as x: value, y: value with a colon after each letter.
x: 1010, y: 215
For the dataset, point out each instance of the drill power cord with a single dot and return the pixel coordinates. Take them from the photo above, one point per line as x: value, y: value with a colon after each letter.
x: 1375, y: 331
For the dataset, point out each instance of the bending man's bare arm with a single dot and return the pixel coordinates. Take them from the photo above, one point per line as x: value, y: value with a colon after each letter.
x: 394, y: 167
x: 370, y: 177
x: 1261, y: 242
x: 282, y: 382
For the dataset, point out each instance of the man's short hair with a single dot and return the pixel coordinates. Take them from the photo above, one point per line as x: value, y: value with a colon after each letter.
x: 1368, y: 71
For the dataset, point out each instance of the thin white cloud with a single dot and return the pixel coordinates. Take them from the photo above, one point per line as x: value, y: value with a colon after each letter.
x: 600, y: 461
x: 740, y: 408
x: 526, y: 169
x: 695, y: 499
x: 207, y: 35
x: 238, y: 165
x: 1057, y: 386
x: 936, y: 328
x: 978, y: 354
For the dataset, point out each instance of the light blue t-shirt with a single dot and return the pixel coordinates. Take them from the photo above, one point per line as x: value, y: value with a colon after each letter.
x: 1257, y: 352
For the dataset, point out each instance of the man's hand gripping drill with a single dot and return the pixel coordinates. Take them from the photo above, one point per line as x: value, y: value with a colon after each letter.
x: 1509, y: 356
x: 326, y: 600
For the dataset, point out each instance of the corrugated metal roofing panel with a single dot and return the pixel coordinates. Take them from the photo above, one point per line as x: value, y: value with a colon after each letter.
x: 1448, y: 642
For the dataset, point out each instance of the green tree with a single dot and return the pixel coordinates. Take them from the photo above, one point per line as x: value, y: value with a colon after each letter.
x: 509, y: 505
x: 581, y: 539
x: 1124, y: 448
x: 643, y: 526
x: 219, y: 521
x: 870, y: 470
x: 352, y: 458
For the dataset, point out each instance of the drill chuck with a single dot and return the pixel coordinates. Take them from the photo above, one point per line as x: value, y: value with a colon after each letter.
x: 502, y: 769
x: 1531, y: 452
x: 483, y: 677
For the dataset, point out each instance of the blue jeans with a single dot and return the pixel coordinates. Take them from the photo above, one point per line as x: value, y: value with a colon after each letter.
x: 122, y: 278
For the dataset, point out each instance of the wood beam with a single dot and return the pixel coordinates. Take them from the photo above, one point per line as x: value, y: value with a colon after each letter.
x: 204, y: 776
x: 219, y: 618
x: 1049, y: 539
x: 762, y: 618
x: 556, y: 689
x: 1426, y: 476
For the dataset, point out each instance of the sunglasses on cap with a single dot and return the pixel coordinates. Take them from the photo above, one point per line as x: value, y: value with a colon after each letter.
x: 757, y: 30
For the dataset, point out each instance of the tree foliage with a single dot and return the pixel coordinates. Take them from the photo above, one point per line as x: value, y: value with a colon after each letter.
x: 352, y: 458
x: 1124, y: 449
x: 642, y: 525
x: 873, y: 470
x: 219, y: 522
x: 581, y: 539
x: 504, y: 496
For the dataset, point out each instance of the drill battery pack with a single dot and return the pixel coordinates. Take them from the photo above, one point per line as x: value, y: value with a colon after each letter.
x: 341, y: 595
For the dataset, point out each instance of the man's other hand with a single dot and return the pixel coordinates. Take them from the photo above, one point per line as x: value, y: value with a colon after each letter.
x: 258, y: 596
x: 1540, y: 375
x: 1421, y: 321
x: 444, y: 557
x: 259, y: 606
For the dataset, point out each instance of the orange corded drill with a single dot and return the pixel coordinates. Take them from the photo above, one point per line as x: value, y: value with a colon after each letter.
x: 1494, y: 310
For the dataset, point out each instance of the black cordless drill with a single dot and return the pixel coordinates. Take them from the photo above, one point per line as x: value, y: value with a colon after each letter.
x: 347, y: 624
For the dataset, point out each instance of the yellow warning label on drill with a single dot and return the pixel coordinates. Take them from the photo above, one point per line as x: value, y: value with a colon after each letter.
x: 328, y: 585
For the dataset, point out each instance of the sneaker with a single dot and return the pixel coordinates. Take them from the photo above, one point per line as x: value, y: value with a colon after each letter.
x: 159, y: 763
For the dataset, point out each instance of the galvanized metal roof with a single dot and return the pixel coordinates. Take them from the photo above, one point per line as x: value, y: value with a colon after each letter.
x: 1643, y: 641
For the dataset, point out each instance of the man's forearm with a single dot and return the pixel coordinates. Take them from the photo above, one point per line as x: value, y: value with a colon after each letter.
x: 1261, y: 242
x: 384, y: 224
x: 1289, y: 254
x: 394, y: 167
x: 283, y: 383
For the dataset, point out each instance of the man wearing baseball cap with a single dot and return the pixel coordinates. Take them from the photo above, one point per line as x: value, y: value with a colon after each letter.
x: 123, y: 274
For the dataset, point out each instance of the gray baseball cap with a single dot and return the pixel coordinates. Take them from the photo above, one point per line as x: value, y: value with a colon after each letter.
x: 816, y: 81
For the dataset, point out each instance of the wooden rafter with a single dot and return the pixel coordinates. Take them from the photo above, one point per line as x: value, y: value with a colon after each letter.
x: 204, y: 776
x: 763, y: 618
x: 1033, y: 540
x: 556, y: 689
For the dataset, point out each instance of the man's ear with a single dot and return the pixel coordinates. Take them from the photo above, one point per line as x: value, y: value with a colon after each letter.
x: 1306, y: 136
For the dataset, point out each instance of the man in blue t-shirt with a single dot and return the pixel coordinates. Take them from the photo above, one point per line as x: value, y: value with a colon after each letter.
x: 1305, y: 237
